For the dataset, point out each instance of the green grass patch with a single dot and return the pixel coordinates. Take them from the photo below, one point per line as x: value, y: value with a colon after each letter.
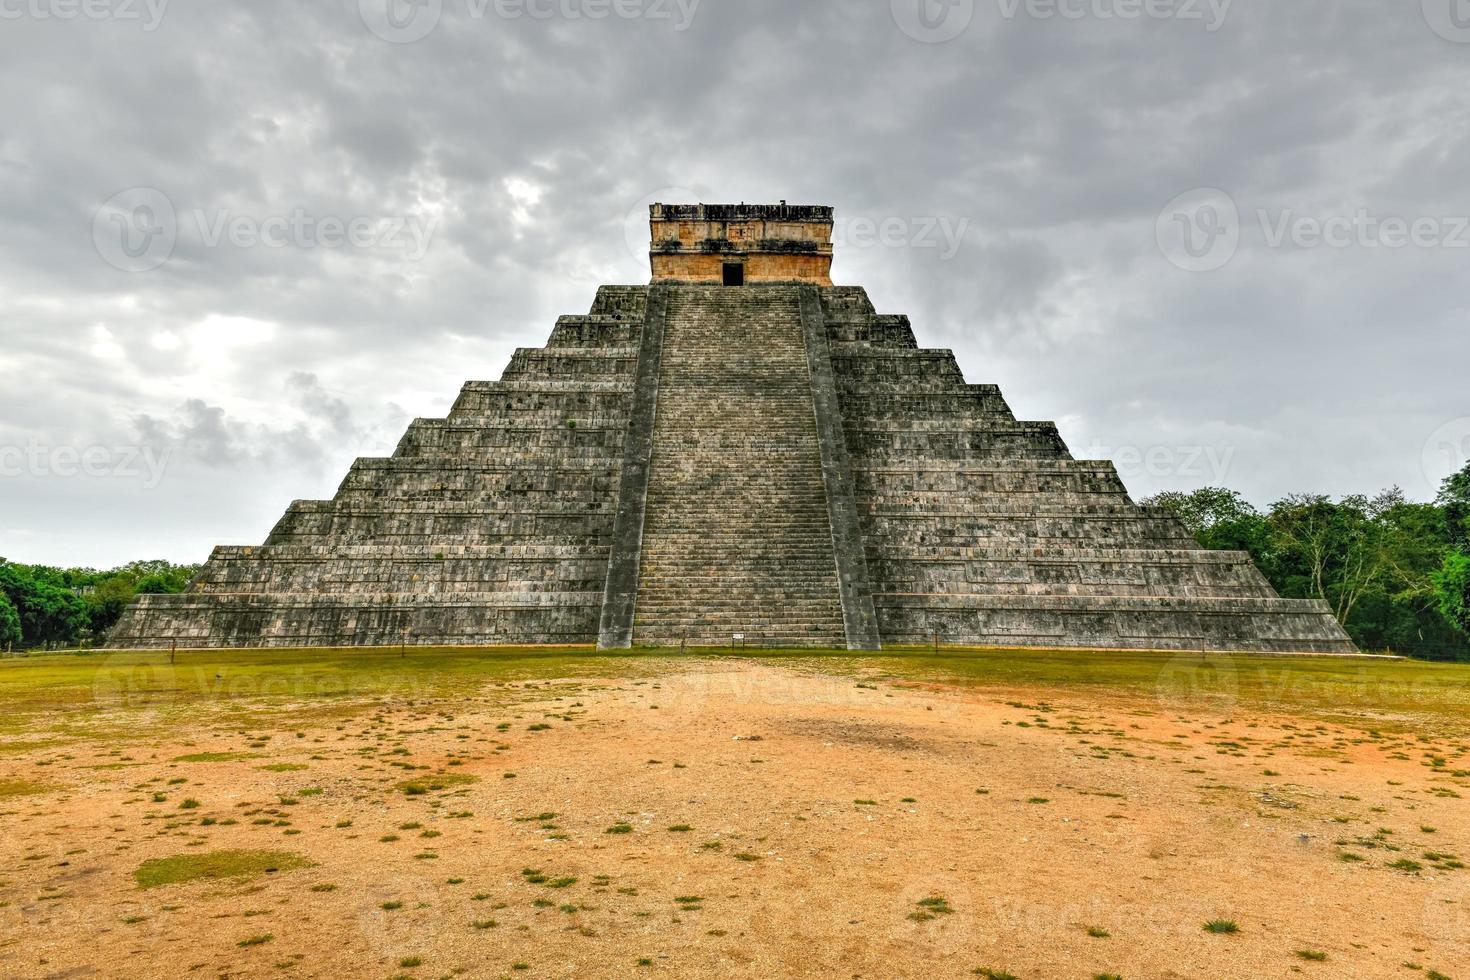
x: 216, y: 865
x: 931, y: 908
x: 21, y: 787
x: 436, y: 783
x: 58, y: 692
x: 1378, y: 695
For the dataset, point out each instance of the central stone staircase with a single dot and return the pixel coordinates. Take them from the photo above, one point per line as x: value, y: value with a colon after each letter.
x: 737, y: 537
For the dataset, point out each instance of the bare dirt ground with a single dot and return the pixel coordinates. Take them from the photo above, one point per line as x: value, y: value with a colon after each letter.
x: 736, y: 818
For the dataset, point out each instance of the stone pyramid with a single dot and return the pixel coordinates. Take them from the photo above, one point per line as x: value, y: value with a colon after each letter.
x: 737, y: 452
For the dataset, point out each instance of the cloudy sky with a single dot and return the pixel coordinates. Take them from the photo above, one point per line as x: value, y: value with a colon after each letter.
x: 243, y: 243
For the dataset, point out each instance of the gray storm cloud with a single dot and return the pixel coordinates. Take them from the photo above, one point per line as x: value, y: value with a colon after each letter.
x: 386, y: 216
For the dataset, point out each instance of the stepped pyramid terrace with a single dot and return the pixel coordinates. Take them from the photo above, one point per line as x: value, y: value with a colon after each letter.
x: 738, y: 448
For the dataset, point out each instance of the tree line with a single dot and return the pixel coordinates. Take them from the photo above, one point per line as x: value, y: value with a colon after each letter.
x: 1396, y: 573
x: 49, y: 607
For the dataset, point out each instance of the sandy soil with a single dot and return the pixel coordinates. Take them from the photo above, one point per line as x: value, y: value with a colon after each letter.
x: 820, y: 813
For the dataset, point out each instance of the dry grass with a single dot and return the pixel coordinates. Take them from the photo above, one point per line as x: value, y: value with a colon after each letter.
x: 1030, y: 814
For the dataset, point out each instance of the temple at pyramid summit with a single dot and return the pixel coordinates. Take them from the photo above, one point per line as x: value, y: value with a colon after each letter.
x: 737, y: 451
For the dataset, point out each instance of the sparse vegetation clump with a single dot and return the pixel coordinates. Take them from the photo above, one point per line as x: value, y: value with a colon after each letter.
x: 435, y: 783
x: 10, y: 788
x: 931, y: 908
x: 215, y: 865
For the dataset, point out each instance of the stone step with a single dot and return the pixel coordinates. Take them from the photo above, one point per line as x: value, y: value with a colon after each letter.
x: 736, y: 530
x: 494, y: 524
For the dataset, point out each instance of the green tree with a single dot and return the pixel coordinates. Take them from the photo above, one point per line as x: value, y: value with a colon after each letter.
x: 1330, y: 551
x: 106, y: 601
x: 9, y: 623
x: 50, y: 612
x: 1374, y: 561
x: 1454, y: 497
x: 1453, y: 583
x: 1402, y: 613
x: 1204, y: 508
x: 53, y: 616
x: 107, y: 594
x: 1220, y: 519
x: 156, y: 584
